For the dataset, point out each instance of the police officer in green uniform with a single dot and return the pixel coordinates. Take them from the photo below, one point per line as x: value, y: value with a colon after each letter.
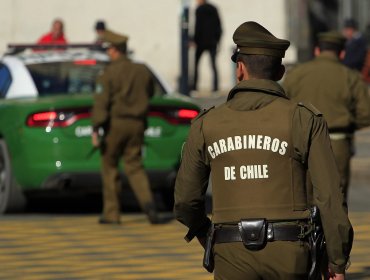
x: 120, y: 107
x: 257, y: 149
x: 338, y: 92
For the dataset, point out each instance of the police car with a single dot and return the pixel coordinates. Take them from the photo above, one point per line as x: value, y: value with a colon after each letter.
x: 46, y: 97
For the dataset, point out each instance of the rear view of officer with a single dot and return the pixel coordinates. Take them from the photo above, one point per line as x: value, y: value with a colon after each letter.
x: 338, y: 92
x: 120, y: 107
x: 258, y: 148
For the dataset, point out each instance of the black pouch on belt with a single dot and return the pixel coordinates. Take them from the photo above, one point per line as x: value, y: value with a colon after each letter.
x: 253, y: 233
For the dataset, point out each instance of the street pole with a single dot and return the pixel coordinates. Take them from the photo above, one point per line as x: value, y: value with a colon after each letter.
x: 184, y: 78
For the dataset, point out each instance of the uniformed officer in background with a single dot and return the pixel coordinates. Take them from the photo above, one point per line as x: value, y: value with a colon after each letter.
x: 120, y: 107
x: 338, y: 92
x: 257, y: 148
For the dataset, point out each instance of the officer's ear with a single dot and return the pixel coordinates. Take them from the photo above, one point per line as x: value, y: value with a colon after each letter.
x: 317, y: 51
x: 241, y: 71
x: 279, y: 73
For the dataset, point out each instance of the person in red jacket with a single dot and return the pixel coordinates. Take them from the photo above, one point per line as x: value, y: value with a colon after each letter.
x: 55, y: 36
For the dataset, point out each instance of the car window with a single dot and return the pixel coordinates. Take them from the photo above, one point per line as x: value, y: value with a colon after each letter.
x: 66, y: 77
x: 5, y: 80
x: 72, y: 77
x: 159, y: 89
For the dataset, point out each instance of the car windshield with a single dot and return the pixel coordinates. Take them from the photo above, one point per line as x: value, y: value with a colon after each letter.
x: 66, y: 77
x: 72, y: 77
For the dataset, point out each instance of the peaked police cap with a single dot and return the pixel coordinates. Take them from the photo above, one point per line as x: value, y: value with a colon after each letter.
x: 114, y: 39
x: 252, y: 38
x: 332, y: 37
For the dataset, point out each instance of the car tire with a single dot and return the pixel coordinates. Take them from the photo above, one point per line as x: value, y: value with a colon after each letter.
x: 11, y: 196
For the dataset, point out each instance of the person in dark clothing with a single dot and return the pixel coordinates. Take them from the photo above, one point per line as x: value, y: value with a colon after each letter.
x: 207, y: 35
x: 99, y: 29
x: 356, y: 45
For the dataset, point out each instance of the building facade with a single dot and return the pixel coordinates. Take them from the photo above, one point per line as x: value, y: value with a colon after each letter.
x: 154, y: 27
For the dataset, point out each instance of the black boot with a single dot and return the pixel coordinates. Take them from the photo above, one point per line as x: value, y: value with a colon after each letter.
x: 102, y: 220
x: 152, y: 214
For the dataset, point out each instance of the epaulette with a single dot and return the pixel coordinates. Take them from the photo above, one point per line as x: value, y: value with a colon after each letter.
x: 311, y: 108
x: 202, y: 113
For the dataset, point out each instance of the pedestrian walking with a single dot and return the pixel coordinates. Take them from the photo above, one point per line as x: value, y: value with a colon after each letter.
x: 207, y: 35
x: 120, y: 107
x: 100, y: 28
x: 258, y: 148
x: 338, y: 92
x: 356, y: 45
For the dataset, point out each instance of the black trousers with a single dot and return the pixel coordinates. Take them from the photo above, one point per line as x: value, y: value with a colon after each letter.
x: 198, y: 53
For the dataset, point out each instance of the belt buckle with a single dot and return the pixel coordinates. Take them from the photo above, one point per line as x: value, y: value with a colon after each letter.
x: 303, y: 232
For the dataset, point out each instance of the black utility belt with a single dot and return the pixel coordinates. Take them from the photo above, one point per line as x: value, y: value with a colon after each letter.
x: 255, y: 233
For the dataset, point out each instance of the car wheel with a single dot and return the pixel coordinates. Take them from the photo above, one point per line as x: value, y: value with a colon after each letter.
x: 11, y: 197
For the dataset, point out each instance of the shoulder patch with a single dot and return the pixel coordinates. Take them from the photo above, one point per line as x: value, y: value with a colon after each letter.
x: 311, y: 108
x: 202, y: 113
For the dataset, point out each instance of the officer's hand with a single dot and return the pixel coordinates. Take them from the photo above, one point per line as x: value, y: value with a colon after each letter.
x: 95, y: 139
x: 336, y: 276
x: 202, y: 241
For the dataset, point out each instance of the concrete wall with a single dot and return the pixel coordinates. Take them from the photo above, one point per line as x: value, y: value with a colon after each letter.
x: 152, y: 25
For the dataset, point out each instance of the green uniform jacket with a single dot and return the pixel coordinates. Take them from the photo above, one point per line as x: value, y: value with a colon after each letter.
x: 124, y: 90
x: 336, y: 90
x: 311, y: 142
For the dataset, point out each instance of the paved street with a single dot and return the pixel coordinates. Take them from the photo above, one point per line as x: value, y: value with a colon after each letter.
x: 76, y: 247
x: 44, y: 245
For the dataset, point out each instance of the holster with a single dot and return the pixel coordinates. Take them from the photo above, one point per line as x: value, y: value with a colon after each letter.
x: 208, y: 258
x: 316, y: 241
x: 253, y: 233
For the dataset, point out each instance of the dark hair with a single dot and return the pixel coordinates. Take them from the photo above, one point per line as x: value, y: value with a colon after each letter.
x: 327, y: 46
x: 100, y: 25
x: 351, y: 23
x: 261, y: 66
